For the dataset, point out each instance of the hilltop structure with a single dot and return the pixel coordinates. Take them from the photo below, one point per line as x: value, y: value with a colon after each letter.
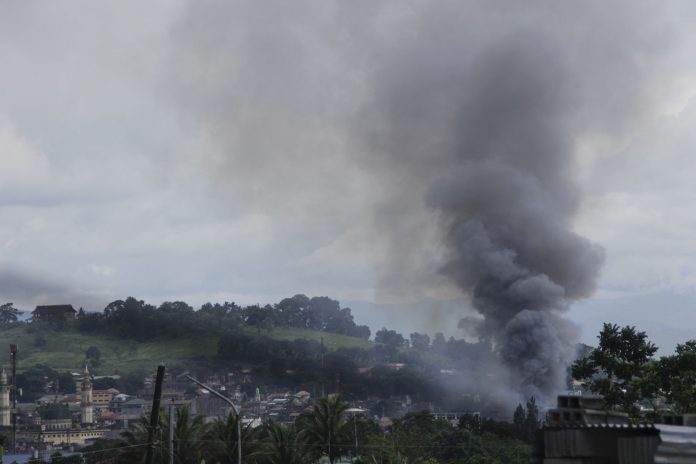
x: 53, y: 313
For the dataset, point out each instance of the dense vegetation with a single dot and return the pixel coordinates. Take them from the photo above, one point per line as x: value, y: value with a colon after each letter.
x: 328, y: 432
x: 135, y: 319
x: 623, y: 369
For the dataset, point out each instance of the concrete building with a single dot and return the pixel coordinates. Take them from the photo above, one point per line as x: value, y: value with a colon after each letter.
x: 102, y: 398
x: 86, y: 406
x: 583, y: 410
x: 60, y: 437
x: 5, y: 407
x: 578, y: 431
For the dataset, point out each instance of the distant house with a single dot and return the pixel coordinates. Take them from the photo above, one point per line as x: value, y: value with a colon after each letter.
x: 53, y: 313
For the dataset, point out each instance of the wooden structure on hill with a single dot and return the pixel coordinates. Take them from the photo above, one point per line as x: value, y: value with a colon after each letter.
x: 53, y: 313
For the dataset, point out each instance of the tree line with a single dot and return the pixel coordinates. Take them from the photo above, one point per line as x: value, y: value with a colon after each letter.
x: 133, y: 318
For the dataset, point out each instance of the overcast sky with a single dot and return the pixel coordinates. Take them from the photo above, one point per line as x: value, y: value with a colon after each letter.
x: 210, y: 151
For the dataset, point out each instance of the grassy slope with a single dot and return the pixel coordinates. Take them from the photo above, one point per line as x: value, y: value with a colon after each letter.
x: 331, y: 341
x: 65, y: 350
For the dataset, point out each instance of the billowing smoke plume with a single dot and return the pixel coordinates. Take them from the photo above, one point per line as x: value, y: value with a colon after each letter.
x: 507, y: 206
x: 446, y: 132
x: 489, y: 132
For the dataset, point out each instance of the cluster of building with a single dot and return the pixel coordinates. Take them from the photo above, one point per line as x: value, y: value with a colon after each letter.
x: 66, y: 421
x: 72, y: 424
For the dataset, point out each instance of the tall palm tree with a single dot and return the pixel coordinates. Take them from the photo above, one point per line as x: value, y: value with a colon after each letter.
x: 222, y: 438
x: 188, y: 435
x: 285, y: 445
x: 326, y: 427
x: 136, y: 442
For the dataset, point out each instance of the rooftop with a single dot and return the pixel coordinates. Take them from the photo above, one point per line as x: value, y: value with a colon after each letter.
x: 46, y: 309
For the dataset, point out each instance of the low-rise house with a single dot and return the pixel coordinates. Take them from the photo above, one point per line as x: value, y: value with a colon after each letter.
x: 53, y: 313
x: 102, y: 398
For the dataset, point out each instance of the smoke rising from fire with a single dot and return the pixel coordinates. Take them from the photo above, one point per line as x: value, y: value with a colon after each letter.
x: 446, y: 132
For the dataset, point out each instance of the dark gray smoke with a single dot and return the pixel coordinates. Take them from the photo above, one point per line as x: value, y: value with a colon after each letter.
x: 488, y: 124
x: 507, y: 203
x: 507, y: 206
x: 443, y: 134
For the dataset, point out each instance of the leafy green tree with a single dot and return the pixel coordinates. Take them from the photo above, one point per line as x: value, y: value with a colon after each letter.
x: 54, y: 411
x: 420, y: 342
x: 39, y: 379
x: 8, y: 313
x: 472, y: 422
x: 614, y: 368
x: 439, y: 345
x: 391, y: 338
x: 175, y: 307
x: 131, y: 318
x: 259, y: 317
x: 93, y: 356
x: 291, y: 311
x: 677, y: 375
x: 531, y: 421
x: 58, y: 458
x: 518, y: 420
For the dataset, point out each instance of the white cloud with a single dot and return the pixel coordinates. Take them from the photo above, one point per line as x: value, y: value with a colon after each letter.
x: 23, y: 168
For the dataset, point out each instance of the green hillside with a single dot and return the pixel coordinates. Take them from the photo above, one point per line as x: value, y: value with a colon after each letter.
x: 64, y: 350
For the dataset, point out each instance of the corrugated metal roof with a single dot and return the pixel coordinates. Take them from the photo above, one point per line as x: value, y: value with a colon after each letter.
x: 608, y: 426
x: 637, y: 449
x: 677, y: 444
x: 616, y: 443
x: 677, y: 433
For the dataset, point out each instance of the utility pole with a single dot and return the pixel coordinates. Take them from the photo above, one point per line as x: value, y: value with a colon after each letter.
x: 323, y: 371
x: 171, y: 432
x: 154, y: 415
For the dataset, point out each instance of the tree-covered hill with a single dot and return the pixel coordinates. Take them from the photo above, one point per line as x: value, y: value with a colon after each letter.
x: 298, y: 341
